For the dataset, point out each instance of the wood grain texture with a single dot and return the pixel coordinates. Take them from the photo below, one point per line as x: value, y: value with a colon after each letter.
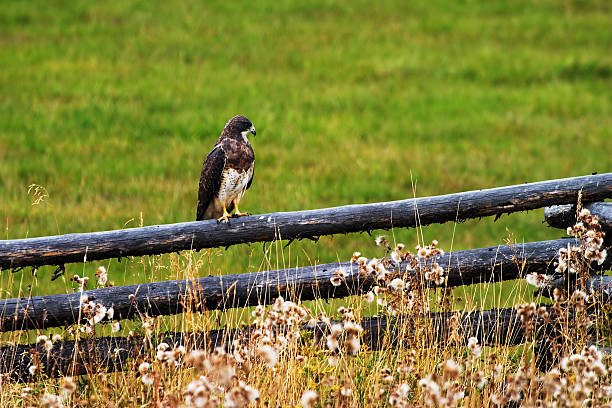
x: 483, y: 265
x: 157, y: 239
x: 491, y: 327
x: 563, y: 216
x: 598, y: 285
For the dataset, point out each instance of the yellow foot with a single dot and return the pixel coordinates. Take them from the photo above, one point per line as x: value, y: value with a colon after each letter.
x: 225, y: 217
x: 237, y: 213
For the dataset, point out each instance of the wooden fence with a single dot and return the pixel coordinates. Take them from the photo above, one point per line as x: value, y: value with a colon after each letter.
x: 483, y: 265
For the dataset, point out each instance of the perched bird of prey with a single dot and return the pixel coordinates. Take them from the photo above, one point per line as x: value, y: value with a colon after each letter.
x: 227, y: 172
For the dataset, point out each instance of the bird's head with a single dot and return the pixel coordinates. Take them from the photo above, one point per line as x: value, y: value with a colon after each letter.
x: 239, y: 125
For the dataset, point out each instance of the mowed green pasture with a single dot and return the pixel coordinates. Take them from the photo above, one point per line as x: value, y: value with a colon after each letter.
x: 112, y: 107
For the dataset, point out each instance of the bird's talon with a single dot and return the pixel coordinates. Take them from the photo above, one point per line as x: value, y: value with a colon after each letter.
x: 225, y: 218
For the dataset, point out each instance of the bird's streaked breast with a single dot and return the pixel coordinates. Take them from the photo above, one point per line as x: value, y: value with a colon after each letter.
x: 233, y: 184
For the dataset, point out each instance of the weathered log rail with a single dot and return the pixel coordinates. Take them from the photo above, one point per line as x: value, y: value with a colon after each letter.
x: 491, y: 327
x: 466, y: 267
x: 563, y: 216
x: 62, y: 249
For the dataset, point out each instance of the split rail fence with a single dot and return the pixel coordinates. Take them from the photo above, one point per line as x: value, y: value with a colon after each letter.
x: 484, y: 265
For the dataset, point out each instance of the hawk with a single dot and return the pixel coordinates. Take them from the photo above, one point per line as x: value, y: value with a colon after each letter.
x: 227, y: 172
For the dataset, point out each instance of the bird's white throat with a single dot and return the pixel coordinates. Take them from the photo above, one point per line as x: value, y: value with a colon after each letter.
x: 244, y: 135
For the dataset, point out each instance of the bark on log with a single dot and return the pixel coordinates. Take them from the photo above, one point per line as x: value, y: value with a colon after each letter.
x: 311, y: 282
x: 491, y: 327
x: 58, y: 250
x: 563, y: 216
x: 598, y: 285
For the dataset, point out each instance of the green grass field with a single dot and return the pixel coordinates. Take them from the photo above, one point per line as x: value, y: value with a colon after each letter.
x: 112, y: 107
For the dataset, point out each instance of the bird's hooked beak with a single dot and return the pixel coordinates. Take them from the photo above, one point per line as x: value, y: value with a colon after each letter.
x: 252, y: 130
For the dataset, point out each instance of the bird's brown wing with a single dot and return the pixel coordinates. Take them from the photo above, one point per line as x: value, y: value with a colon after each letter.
x: 210, y: 179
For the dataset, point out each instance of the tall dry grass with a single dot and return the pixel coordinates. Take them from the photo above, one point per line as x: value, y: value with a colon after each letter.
x: 277, y: 363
